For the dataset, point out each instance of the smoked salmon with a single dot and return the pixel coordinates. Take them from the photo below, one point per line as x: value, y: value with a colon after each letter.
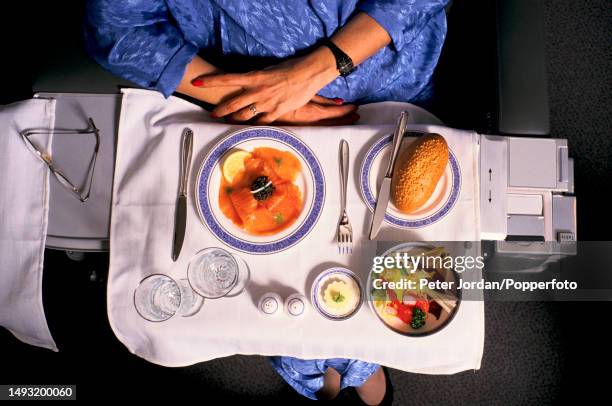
x: 263, y: 199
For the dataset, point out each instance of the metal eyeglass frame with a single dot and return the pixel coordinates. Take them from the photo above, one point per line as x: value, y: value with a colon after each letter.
x: 46, y: 158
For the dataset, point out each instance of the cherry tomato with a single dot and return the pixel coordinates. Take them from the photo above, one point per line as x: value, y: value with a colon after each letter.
x: 405, y: 313
x: 423, y: 304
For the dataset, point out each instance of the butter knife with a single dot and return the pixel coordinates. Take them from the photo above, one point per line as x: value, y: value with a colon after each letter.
x: 382, y: 200
x: 180, y: 215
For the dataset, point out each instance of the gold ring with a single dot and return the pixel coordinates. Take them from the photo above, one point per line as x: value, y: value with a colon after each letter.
x: 253, y: 109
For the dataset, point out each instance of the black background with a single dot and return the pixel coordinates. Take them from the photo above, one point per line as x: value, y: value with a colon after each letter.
x: 535, y: 353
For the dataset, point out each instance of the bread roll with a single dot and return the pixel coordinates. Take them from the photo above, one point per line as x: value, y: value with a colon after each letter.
x: 417, y: 172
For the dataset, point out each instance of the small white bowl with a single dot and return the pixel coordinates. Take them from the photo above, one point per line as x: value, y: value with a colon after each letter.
x: 315, y: 294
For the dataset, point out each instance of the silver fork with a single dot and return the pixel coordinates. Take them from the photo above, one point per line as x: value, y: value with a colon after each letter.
x: 345, y: 231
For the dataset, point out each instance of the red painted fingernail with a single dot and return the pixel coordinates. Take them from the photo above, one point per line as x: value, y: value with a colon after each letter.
x: 338, y: 100
x: 197, y: 82
x: 214, y: 115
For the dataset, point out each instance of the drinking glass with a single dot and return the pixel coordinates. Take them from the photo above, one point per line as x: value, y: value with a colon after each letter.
x: 214, y: 273
x: 159, y: 297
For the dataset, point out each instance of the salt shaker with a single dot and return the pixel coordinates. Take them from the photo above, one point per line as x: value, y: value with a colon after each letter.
x: 270, y: 304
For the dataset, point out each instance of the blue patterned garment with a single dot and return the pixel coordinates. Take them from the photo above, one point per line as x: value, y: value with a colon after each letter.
x: 306, y: 376
x: 149, y: 42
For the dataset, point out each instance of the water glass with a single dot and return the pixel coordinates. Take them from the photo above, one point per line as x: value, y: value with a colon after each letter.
x: 159, y: 297
x: 214, y: 273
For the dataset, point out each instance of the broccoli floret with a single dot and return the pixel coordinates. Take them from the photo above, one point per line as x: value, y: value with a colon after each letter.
x: 418, y: 318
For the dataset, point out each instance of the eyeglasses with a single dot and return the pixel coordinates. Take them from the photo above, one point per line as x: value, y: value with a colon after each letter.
x: 46, y: 158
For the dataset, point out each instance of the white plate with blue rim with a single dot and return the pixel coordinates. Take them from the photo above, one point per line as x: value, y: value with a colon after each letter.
x: 437, y: 206
x: 311, y: 183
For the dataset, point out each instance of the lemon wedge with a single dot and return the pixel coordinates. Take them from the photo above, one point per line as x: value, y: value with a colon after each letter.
x: 234, y: 164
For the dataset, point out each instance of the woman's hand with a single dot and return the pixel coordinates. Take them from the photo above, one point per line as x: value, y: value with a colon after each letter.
x: 284, y: 92
x: 320, y: 111
x: 278, y: 93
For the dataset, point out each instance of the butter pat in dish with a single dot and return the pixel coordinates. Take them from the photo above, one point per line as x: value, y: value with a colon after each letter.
x: 340, y: 296
x: 337, y: 294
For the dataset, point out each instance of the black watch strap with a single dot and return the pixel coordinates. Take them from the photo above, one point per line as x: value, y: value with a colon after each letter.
x: 344, y: 63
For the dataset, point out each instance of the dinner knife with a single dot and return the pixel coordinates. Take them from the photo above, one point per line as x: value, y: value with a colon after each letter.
x: 180, y: 215
x: 382, y: 200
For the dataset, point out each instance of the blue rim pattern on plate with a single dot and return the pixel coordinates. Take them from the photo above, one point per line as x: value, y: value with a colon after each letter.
x: 314, y: 296
x: 366, y: 188
x: 212, y: 160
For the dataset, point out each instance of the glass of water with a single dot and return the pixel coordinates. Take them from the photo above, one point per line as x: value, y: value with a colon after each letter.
x: 159, y: 297
x: 214, y: 273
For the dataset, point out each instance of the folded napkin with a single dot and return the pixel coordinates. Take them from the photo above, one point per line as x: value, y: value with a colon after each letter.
x: 144, y: 193
x: 24, y: 203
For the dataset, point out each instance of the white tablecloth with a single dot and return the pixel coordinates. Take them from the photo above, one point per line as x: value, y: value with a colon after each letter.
x: 24, y: 206
x: 145, y: 187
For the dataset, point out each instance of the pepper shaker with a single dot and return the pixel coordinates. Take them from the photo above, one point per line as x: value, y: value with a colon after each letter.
x: 295, y: 305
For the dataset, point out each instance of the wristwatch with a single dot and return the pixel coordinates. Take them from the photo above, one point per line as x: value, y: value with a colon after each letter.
x: 344, y: 63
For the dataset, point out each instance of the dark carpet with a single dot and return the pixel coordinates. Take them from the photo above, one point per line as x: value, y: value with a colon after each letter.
x: 579, y: 50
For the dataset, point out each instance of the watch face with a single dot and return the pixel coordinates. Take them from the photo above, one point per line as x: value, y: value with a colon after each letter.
x: 345, y: 66
x: 344, y: 63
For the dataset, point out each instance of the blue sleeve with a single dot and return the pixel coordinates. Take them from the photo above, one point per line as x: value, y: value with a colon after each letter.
x: 402, y: 19
x: 137, y: 41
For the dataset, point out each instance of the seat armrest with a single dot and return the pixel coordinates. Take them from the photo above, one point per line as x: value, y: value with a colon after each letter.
x: 522, y: 84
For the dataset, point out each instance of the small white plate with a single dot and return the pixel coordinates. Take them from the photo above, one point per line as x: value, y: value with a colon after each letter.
x: 439, y: 204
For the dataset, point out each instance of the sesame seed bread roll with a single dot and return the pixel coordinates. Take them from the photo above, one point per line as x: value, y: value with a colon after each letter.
x: 417, y: 172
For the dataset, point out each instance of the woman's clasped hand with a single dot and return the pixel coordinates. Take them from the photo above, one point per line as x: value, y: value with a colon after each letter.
x: 283, y: 93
